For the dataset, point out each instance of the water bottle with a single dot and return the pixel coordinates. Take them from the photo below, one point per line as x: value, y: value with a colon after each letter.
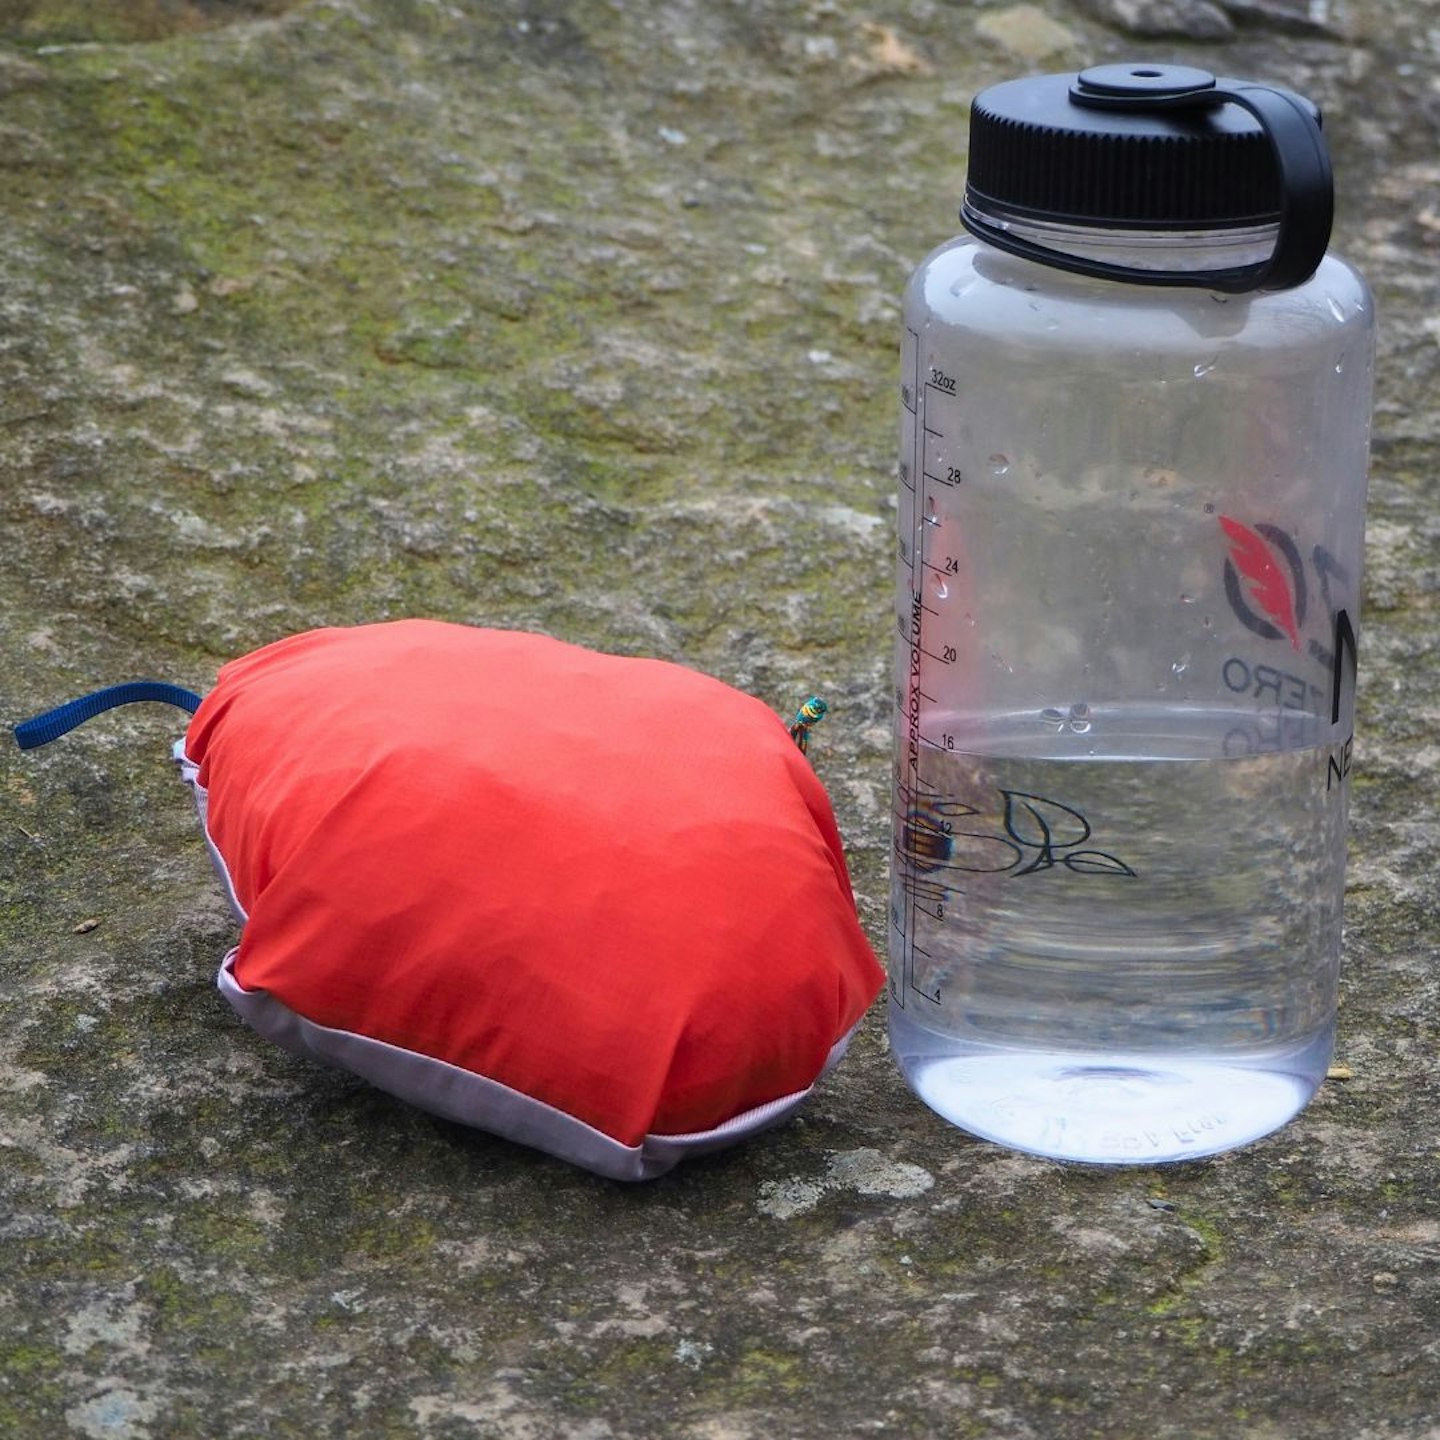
x: 1135, y: 405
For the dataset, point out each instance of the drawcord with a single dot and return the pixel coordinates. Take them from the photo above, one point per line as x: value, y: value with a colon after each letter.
x: 42, y: 729
x: 810, y: 714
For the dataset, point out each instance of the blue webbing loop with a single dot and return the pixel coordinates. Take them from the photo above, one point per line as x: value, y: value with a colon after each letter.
x: 54, y: 723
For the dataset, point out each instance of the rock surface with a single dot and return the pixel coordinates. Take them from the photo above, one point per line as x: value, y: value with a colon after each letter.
x: 582, y: 316
x: 1185, y: 19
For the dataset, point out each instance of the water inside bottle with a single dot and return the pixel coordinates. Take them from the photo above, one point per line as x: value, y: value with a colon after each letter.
x: 1118, y: 941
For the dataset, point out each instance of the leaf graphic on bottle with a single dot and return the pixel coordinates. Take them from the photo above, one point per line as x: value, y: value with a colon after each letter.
x: 1042, y: 827
x: 1096, y: 862
x: 952, y: 835
x: 1035, y: 821
x: 1256, y: 561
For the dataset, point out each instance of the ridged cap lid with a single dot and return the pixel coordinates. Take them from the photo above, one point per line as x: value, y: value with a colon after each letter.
x: 1039, y: 151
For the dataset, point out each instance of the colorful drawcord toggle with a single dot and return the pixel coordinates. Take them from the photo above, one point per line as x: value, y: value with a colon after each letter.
x: 810, y: 714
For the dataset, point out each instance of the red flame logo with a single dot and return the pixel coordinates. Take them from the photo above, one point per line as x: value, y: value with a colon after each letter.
x: 1264, y: 569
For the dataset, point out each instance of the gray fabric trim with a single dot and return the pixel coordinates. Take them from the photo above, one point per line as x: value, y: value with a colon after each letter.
x: 189, y: 773
x: 457, y: 1094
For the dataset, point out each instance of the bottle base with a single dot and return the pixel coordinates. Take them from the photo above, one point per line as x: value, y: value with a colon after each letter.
x: 1116, y: 1109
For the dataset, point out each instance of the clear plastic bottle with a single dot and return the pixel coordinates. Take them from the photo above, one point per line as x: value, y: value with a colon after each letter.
x: 1131, y: 533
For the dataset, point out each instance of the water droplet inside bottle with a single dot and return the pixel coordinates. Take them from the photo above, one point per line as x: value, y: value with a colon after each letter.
x: 1187, y: 599
x: 1207, y: 622
x: 1051, y: 716
x: 999, y: 464
x: 1339, y: 367
x: 1180, y: 666
x: 1205, y: 367
x: 1080, y: 719
x: 942, y: 590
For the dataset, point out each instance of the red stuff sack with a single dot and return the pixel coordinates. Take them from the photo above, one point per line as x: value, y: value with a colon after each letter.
x: 596, y: 905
